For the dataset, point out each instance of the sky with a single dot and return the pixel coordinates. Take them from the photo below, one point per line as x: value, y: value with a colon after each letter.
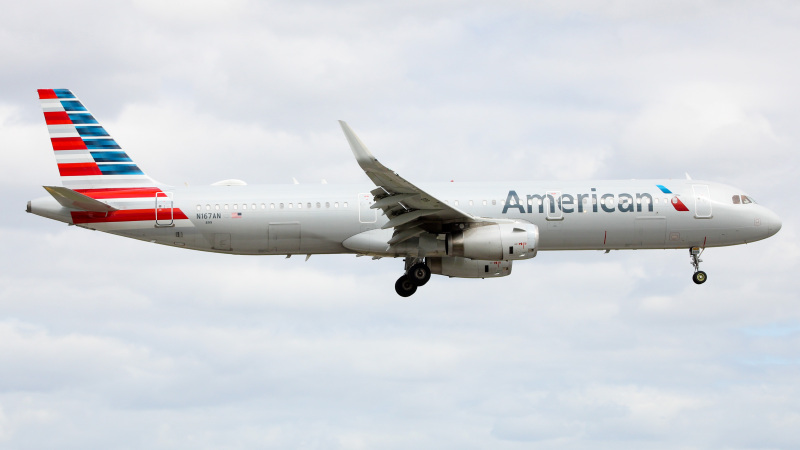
x: 111, y: 343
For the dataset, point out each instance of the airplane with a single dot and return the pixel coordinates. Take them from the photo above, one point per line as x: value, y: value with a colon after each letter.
x: 464, y: 230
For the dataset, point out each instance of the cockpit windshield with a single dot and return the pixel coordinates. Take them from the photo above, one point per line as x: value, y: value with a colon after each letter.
x: 742, y: 199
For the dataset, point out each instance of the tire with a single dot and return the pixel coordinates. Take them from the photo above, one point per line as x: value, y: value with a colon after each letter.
x: 405, y: 287
x: 699, y: 277
x: 419, y: 274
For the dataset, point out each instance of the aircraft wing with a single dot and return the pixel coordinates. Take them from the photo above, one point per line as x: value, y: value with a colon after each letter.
x: 411, y: 211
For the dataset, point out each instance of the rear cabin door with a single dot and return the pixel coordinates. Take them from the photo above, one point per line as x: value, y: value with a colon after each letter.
x: 164, y: 215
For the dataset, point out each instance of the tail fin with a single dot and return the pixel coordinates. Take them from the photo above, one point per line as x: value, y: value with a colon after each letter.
x: 87, y: 157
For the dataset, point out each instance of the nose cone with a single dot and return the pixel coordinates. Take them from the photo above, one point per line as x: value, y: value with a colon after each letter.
x: 774, y: 223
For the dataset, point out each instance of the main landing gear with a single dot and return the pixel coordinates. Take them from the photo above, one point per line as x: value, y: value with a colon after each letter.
x: 417, y: 274
x: 699, y: 276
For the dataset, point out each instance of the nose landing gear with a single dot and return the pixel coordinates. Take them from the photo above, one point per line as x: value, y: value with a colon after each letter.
x: 417, y: 274
x: 699, y: 276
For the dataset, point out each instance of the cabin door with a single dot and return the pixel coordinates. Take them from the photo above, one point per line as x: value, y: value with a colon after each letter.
x: 164, y: 215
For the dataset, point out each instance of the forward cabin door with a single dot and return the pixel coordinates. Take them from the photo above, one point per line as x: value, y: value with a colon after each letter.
x: 702, y: 201
x: 164, y: 215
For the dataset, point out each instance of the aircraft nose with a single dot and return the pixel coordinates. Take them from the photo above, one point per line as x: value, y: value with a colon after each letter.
x: 774, y: 223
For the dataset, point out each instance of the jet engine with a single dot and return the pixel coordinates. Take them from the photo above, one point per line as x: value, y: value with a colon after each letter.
x: 495, y: 242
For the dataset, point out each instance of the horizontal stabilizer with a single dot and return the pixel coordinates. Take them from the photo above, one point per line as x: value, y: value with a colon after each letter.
x: 75, y: 200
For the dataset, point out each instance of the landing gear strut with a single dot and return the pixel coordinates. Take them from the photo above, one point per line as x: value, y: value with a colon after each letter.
x: 699, y: 276
x: 417, y: 274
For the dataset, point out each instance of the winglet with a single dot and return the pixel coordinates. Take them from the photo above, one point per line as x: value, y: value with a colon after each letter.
x: 362, y: 154
x: 75, y: 200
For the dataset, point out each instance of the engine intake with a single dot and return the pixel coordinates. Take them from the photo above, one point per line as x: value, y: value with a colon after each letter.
x: 495, y: 242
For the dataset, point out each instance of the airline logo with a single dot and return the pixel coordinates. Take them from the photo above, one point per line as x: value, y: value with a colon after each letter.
x: 588, y: 202
x: 676, y: 202
x: 92, y: 163
x: 83, y: 148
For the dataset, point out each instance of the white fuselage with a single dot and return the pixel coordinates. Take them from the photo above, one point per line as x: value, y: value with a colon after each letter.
x: 318, y: 219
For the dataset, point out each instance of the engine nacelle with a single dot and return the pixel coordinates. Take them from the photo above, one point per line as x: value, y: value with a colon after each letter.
x: 503, y: 241
x: 468, y: 268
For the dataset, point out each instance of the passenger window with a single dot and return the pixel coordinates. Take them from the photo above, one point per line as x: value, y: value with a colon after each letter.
x: 327, y: 204
x: 308, y: 205
x: 335, y: 204
x: 226, y: 206
x: 199, y: 207
x: 235, y: 206
x: 244, y: 205
x: 318, y: 205
x: 216, y: 207
x: 494, y: 202
x: 484, y: 203
x: 290, y: 206
x: 253, y: 206
x: 263, y: 206
x: 470, y: 203
x: 455, y: 202
x: 281, y: 206
x: 736, y: 200
x: 299, y: 206
x: 208, y: 207
x: 272, y: 206
x: 344, y: 205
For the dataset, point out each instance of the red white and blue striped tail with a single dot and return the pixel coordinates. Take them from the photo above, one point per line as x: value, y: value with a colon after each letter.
x: 87, y: 156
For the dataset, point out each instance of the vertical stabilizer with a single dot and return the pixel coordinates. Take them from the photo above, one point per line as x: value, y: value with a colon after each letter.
x: 87, y: 156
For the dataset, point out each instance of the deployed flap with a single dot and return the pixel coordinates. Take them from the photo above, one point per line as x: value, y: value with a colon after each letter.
x: 75, y: 200
x: 398, y: 197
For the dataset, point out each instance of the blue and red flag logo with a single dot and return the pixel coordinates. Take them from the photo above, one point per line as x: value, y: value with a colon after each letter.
x: 676, y: 202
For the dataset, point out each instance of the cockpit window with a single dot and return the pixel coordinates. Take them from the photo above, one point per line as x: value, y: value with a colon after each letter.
x: 736, y: 200
x: 746, y: 200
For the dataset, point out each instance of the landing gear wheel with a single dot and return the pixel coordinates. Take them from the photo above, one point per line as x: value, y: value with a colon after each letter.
x: 419, y: 274
x: 699, y: 277
x: 405, y: 287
